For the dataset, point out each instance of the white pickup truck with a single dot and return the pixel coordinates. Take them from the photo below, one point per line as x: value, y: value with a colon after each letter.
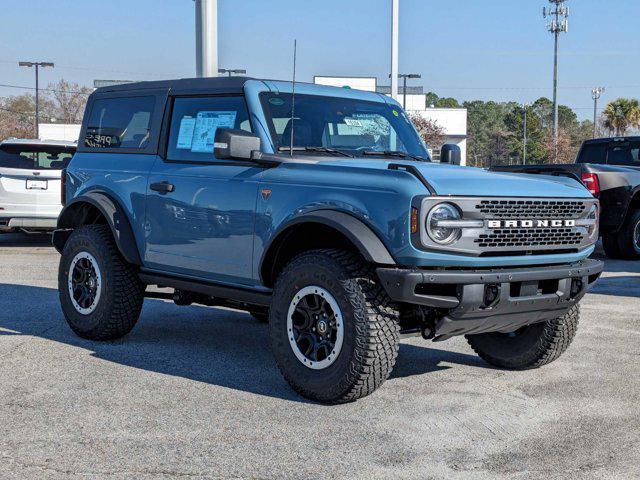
x: 30, y: 183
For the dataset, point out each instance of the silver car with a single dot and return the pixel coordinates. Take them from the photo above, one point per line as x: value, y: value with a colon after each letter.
x: 30, y: 183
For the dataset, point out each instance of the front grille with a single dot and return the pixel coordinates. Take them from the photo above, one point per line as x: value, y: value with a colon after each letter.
x: 530, y: 237
x: 528, y: 209
x: 516, y: 226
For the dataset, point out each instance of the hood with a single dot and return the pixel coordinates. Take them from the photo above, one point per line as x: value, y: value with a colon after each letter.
x: 470, y: 181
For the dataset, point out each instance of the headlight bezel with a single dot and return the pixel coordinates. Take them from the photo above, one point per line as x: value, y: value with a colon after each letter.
x: 430, y: 223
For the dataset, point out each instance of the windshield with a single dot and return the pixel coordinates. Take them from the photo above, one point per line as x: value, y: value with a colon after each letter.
x: 340, y: 125
x: 29, y: 157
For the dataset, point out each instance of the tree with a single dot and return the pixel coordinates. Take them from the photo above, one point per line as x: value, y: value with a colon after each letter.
x: 447, y: 103
x: 514, y: 122
x: 566, y: 153
x: 70, y: 100
x: 432, y: 99
x: 622, y: 114
x: 429, y: 130
x: 484, y: 119
x: 17, y: 115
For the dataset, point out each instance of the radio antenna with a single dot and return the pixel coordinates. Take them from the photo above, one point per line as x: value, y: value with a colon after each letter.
x: 293, y: 95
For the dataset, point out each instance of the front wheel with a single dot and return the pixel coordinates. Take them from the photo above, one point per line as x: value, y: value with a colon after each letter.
x: 529, y: 347
x: 100, y: 293
x: 334, y: 331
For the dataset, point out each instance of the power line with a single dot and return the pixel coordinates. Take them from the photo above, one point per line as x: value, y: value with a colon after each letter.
x: 23, y: 87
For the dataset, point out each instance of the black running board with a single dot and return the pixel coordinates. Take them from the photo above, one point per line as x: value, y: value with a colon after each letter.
x: 223, y: 292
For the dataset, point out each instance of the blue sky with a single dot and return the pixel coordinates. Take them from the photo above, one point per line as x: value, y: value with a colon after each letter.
x: 468, y: 49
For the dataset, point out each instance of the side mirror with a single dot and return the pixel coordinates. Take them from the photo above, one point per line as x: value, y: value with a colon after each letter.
x: 235, y: 144
x: 450, y: 153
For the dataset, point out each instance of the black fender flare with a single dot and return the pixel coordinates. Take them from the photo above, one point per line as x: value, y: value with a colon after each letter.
x: 71, y: 217
x: 356, y: 231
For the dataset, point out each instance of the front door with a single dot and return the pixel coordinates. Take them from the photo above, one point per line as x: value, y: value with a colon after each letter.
x: 200, y: 210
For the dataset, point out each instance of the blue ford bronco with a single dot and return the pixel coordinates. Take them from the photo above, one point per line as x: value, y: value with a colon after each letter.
x: 315, y: 209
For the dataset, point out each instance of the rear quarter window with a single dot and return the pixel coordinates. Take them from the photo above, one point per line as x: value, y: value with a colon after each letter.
x: 120, y: 123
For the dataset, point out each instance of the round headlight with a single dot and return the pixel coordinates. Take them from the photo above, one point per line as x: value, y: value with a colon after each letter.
x: 440, y: 234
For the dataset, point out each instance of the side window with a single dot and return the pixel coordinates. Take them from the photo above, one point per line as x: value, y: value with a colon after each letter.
x: 119, y: 123
x: 194, y: 123
x: 593, y: 153
x: 635, y: 153
x: 622, y: 154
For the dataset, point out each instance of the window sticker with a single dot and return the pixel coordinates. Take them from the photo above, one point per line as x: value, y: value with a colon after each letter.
x: 205, y: 129
x: 185, y: 134
x: 352, y: 122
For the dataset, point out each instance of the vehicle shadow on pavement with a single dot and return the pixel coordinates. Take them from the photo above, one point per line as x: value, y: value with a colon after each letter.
x: 216, y: 346
x: 620, y: 286
x: 25, y: 240
x: 416, y: 360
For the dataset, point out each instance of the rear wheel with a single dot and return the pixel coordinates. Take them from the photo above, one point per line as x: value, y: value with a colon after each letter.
x: 629, y: 237
x: 100, y: 293
x: 529, y: 347
x: 334, y: 331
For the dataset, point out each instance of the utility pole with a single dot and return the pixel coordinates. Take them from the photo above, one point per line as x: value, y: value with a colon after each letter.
x: 524, y: 141
x: 559, y: 23
x: 36, y: 65
x: 596, y: 93
x: 206, y: 38
x: 395, y: 12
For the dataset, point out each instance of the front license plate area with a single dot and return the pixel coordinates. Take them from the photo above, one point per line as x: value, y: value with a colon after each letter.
x: 37, y: 184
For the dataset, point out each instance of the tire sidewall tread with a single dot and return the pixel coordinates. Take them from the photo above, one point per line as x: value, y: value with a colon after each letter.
x: 122, y: 292
x: 371, y: 326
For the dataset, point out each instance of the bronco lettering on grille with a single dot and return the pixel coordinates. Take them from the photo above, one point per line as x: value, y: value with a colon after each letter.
x: 530, y: 223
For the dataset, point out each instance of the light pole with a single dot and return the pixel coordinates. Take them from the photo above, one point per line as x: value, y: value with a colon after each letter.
x: 36, y: 65
x: 557, y: 25
x: 404, y: 77
x: 230, y: 71
x: 596, y: 93
x: 395, y: 13
x: 206, y: 38
x: 524, y: 141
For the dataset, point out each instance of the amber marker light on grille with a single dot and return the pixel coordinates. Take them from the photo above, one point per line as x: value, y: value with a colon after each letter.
x: 414, y: 220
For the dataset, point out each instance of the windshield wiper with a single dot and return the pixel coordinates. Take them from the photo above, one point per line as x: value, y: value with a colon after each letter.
x: 395, y: 153
x: 331, y: 151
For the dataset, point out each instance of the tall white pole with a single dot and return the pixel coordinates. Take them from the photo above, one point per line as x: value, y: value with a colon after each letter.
x: 206, y: 38
x: 395, y: 11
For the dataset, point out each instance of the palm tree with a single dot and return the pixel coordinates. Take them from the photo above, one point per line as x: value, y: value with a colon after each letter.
x: 622, y: 114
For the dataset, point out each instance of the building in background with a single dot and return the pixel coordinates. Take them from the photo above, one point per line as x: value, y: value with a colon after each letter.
x: 60, y: 131
x: 452, y: 120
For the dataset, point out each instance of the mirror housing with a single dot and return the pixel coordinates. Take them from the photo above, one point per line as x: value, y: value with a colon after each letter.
x: 451, y: 153
x: 235, y: 144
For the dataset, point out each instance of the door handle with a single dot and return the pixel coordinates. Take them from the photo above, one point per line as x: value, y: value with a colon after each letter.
x: 162, y: 187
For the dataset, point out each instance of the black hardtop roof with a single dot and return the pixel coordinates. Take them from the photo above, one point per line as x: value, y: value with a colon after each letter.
x: 612, y: 139
x: 229, y: 84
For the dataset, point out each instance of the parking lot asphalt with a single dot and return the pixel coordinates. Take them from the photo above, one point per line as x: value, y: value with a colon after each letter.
x: 194, y: 392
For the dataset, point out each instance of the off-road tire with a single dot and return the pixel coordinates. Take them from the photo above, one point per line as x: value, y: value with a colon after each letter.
x: 629, y: 248
x: 122, y: 292
x: 371, y: 326
x: 611, y: 246
x: 536, y: 345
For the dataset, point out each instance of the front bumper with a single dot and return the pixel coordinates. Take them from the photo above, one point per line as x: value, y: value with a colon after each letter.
x: 497, y: 300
